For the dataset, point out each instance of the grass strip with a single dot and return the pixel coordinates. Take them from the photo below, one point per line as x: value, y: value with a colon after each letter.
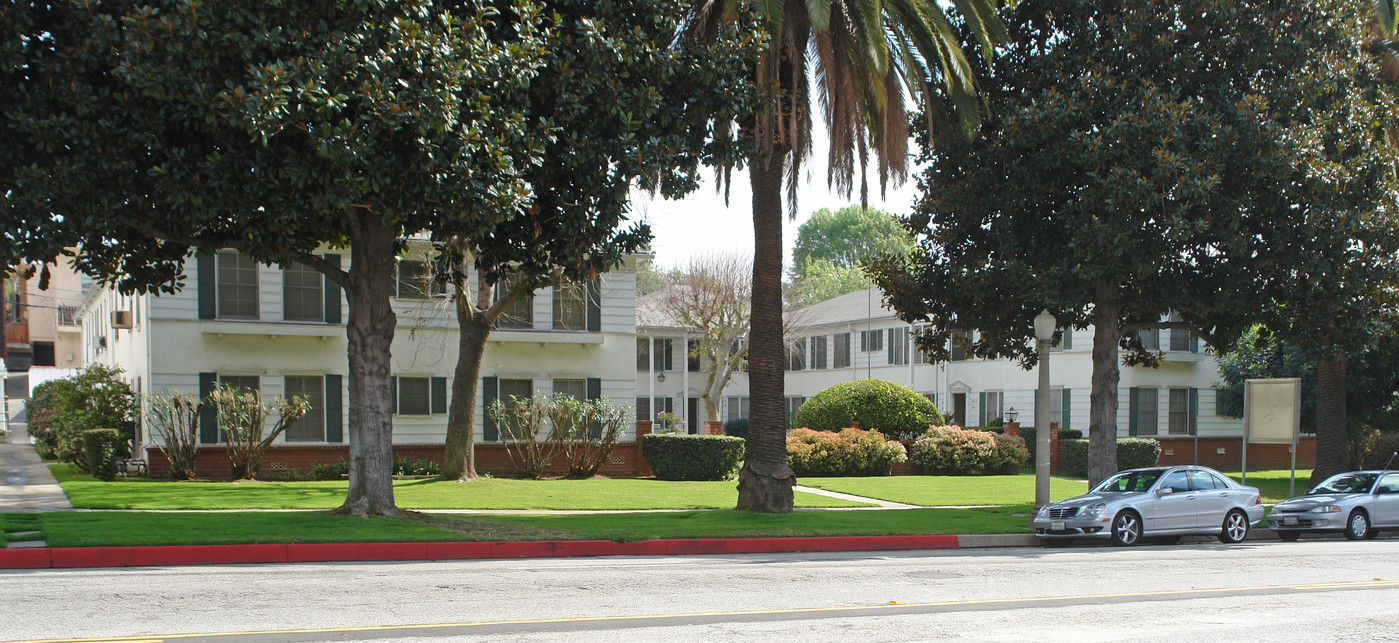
x: 86, y: 492
x: 118, y: 529
x: 13, y: 525
x: 934, y: 491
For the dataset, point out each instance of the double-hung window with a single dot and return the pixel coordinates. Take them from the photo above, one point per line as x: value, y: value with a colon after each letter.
x: 796, y: 355
x: 1142, y: 408
x: 309, y: 427
x: 898, y: 346
x: 302, y: 298
x: 872, y: 340
x: 413, y: 279
x: 818, y: 352
x: 571, y: 306
x: 990, y: 406
x: 841, y: 353
x: 961, y: 344
x: 414, y: 395
x: 519, y: 313
x: 738, y: 408
x: 237, y: 286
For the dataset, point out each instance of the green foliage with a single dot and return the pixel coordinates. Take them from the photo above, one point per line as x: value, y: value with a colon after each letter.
x: 896, y: 410
x: 401, y: 467
x: 737, y: 428
x: 851, y: 452
x: 538, y: 429
x: 61, y: 410
x: 1381, y: 447
x: 175, y: 419
x: 332, y: 470
x: 1132, y: 453
x: 832, y: 248
x: 1028, y: 432
x: 953, y: 451
x: 242, y: 418
x: 693, y: 457
x: 100, y: 451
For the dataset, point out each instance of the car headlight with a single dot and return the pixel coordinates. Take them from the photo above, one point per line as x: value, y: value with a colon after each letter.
x: 1094, y: 510
x: 1044, y: 511
x: 1326, y: 509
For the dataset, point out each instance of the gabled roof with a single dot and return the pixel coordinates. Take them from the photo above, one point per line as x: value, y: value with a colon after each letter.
x: 861, y: 305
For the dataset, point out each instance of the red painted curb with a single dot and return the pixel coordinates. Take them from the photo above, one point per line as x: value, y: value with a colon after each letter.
x: 331, y: 552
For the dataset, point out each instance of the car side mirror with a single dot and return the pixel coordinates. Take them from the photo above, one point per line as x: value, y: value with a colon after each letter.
x: 1165, y: 491
x: 1384, y: 490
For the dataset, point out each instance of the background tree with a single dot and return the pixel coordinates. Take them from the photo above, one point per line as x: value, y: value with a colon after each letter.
x: 832, y: 249
x: 138, y: 132
x: 1147, y: 175
x: 709, y: 299
x: 864, y: 55
x: 618, y: 104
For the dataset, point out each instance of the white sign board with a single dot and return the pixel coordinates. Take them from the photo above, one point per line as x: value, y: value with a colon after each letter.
x: 1272, y: 410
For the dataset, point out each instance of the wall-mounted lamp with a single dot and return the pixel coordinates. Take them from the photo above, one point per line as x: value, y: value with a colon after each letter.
x: 660, y: 377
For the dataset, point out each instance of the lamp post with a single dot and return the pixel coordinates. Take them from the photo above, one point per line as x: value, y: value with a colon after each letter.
x: 1044, y: 334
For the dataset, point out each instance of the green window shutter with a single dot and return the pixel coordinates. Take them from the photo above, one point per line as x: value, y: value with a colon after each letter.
x: 594, y: 388
x: 1194, y: 411
x: 208, y: 287
x: 490, y: 391
x: 332, y: 293
x: 1068, y: 338
x: 982, y: 411
x: 889, y: 350
x: 1194, y: 344
x: 439, y: 395
x: 1132, y: 411
x: 208, y: 415
x: 594, y: 304
x: 393, y: 399
x: 334, y: 416
x: 1064, y: 410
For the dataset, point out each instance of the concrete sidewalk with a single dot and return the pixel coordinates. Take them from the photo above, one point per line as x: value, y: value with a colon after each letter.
x: 26, y: 486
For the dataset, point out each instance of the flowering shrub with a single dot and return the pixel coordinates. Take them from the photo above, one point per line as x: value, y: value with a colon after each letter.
x: 852, y: 452
x: 952, y: 450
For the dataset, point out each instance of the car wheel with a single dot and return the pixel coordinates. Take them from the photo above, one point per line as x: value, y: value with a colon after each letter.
x: 1357, y: 525
x: 1235, y: 527
x: 1289, y: 536
x: 1126, y: 528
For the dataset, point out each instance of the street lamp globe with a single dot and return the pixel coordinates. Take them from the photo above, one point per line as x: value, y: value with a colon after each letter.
x: 1045, y: 324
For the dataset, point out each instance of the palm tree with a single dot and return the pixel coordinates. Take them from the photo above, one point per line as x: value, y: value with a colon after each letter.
x: 866, y: 56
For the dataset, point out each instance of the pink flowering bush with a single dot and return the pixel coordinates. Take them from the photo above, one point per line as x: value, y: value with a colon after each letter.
x: 954, y: 451
x: 851, y: 452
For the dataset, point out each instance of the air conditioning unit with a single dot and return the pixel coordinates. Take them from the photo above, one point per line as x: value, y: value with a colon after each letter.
x: 121, y: 319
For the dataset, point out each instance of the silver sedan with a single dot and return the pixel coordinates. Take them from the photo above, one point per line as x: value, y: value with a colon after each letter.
x: 1357, y: 504
x: 1167, y: 502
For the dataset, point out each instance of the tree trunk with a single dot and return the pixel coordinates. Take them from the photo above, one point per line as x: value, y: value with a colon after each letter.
x: 370, y: 331
x: 1102, y: 413
x: 765, y: 482
x: 475, y: 328
x: 1332, y: 429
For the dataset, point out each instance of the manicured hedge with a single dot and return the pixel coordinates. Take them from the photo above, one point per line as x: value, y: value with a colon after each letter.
x: 1028, y: 432
x: 954, y: 451
x: 737, y: 428
x: 1132, y: 453
x: 895, y: 410
x: 693, y: 457
x: 852, y: 452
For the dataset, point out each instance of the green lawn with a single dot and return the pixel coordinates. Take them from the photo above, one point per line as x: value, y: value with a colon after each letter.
x: 1272, y: 484
x: 86, y: 492
x: 932, y: 491
x: 117, y: 529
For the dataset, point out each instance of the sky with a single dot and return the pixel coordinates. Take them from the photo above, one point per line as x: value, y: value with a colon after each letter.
x: 701, y: 223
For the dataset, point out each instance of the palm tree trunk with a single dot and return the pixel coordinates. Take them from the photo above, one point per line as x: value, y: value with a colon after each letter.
x: 765, y: 482
x: 1332, y: 430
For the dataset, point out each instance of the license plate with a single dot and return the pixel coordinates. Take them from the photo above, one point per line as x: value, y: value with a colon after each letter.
x: 1056, y: 526
x: 1289, y: 520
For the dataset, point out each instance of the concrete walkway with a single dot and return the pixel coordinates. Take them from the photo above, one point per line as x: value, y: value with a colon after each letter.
x: 26, y: 485
x: 882, y: 504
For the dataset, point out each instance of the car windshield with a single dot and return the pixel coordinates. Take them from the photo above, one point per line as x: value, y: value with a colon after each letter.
x: 1346, y: 483
x: 1130, y: 481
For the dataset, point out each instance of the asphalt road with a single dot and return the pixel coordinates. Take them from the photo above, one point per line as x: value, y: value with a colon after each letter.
x: 1329, y: 590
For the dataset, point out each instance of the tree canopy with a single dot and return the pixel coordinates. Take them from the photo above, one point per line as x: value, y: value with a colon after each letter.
x: 136, y: 132
x: 832, y: 249
x: 1148, y: 165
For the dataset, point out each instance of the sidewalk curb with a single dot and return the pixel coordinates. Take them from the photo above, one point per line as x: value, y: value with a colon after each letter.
x: 67, y: 557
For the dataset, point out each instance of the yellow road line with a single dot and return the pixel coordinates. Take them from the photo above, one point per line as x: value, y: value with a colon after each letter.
x: 797, y: 610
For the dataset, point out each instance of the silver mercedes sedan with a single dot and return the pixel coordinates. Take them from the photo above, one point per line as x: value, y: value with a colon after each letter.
x: 1159, y: 502
x: 1356, y: 503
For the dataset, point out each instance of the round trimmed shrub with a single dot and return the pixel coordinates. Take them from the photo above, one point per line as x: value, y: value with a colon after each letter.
x: 895, y: 410
x: 100, y: 450
x: 851, y: 452
x: 678, y: 456
x: 953, y: 451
